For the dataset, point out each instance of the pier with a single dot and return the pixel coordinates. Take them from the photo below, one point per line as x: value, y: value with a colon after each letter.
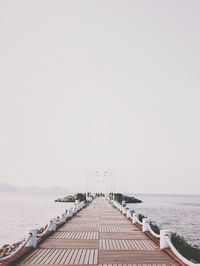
x: 102, y: 234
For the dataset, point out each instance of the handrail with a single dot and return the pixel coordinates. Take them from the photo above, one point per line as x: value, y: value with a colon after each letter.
x: 176, y: 252
x: 45, y: 231
x: 51, y: 226
x: 138, y: 221
x: 25, y: 241
x: 151, y: 230
x: 59, y: 219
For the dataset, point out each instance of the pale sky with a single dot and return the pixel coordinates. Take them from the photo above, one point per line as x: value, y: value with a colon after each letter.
x: 101, y: 84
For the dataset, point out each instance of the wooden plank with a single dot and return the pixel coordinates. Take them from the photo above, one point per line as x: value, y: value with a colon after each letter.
x: 63, y: 259
x: 51, y: 255
x: 70, y: 243
x: 81, y: 261
x: 140, y: 264
x: 121, y: 257
x: 68, y: 258
x: 73, y: 257
x: 42, y: 255
x: 91, y: 256
x: 87, y: 256
x: 84, y: 221
x: 115, y: 221
x: 75, y: 225
x: 114, y: 228
x: 130, y: 235
x: 33, y: 255
x: 78, y: 256
x: 45, y: 258
x: 59, y: 258
x: 78, y: 229
x: 96, y: 256
x: 57, y: 255
x: 127, y: 244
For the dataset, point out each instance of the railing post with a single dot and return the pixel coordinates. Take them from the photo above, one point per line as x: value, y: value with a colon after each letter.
x: 71, y: 211
x: 53, y: 225
x: 64, y: 218
x: 134, y: 219
x: 128, y: 213
x: 145, y: 222
x: 79, y: 206
x: 33, y: 240
x: 124, y: 210
x: 67, y: 214
x: 163, y: 242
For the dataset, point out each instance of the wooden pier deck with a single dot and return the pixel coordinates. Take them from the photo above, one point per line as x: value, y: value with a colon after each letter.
x: 98, y: 235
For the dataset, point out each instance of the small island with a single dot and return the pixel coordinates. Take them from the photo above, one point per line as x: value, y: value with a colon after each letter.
x: 73, y: 198
x: 84, y: 197
x: 124, y: 198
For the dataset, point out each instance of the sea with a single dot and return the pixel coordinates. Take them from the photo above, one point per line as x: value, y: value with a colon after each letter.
x: 176, y: 213
x: 21, y: 212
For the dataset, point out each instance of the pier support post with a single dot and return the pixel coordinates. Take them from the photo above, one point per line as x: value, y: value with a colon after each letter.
x: 33, y: 240
x: 145, y: 222
x: 53, y: 224
x: 163, y: 241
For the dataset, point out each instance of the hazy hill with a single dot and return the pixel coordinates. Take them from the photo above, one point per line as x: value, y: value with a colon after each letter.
x: 4, y: 187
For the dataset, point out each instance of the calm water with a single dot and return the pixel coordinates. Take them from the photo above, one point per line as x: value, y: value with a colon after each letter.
x: 180, y: 214
x: 21, y: 212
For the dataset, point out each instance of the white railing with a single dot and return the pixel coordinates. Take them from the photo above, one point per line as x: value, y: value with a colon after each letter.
x: 135, y: 219
x: 164, y: 236
x: 175, y: 251
x: 35, y: 235
x: 17, y: 250
x: 44, y: 232
x: 146, y: 227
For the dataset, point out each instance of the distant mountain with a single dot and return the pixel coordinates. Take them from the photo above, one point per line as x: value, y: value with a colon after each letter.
x: 4, y: 187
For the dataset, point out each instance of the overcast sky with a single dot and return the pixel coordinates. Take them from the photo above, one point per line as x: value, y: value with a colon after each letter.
x: 101, y: 85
